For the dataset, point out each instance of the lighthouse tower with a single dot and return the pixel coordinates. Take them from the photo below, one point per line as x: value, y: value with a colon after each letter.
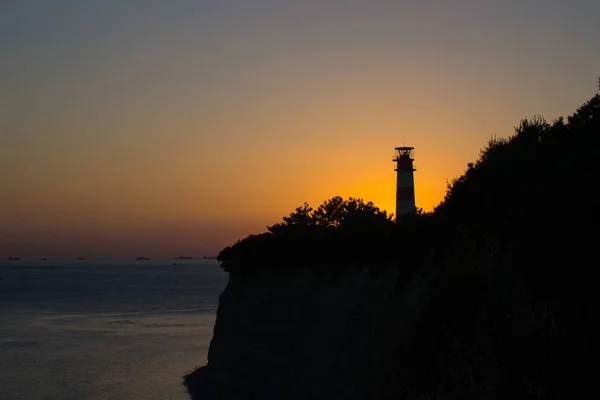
x: 405, y: 182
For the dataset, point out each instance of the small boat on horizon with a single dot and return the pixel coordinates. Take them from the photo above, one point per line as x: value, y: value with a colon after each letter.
x: 81, y: 258
x: 184, y: 258
x: 140, y: 258
x: 13, y: 258
x: 209, y: 257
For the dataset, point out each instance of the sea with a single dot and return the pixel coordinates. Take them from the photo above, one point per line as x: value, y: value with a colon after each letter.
x: 105, y: 329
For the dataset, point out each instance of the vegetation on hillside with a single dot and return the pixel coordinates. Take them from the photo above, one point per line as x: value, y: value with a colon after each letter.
x: 515, y: 312
x: 528, y: 182
x: 339, y: 231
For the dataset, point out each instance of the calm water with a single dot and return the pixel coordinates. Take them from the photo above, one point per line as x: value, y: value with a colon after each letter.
x: 104, y: 329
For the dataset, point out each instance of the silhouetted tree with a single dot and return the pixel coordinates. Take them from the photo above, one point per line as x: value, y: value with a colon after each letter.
x: 337, y: 231
x: 301, y: 217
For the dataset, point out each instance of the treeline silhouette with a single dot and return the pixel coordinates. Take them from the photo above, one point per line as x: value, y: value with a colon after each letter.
x: 522, y: 190
x: 338, y: 232
x: 514, y: 314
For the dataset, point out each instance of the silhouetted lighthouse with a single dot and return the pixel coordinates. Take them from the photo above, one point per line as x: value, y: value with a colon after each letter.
x: 405, y: 181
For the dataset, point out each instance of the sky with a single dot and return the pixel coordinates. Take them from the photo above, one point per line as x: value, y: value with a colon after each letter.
x: 164, y: 128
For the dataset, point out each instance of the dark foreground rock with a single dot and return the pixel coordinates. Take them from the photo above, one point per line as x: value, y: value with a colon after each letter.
x: 307, y: 335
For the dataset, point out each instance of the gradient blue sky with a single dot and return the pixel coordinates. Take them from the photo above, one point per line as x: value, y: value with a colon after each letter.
x: 177, y: 127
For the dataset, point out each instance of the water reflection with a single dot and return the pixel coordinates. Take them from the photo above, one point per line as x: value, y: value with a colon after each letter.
x: 104, y: 332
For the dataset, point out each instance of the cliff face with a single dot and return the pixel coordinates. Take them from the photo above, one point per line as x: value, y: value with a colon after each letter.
x: 503, y: 305
x: 308, y: 334
x: 465, y: 326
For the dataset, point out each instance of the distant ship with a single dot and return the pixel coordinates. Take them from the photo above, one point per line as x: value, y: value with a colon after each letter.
x: 184, y: 258
x: 13, y: 258
x: 81, y: 258
x: 43, y: 258
x: 209, y: 257
x: 142, y: 258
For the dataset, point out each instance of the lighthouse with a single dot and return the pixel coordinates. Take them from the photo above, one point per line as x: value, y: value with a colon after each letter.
x: 405, y: 181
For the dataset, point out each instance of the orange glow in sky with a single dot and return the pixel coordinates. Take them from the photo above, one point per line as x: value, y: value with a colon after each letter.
x: 181, y: 128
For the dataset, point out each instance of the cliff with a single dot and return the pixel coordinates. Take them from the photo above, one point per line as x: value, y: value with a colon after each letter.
x: 314, y: 333
x: 467, y: 325
x: 493, y: 295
